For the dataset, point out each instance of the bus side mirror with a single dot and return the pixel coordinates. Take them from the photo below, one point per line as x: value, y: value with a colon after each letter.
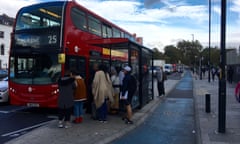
x: 61, y: 58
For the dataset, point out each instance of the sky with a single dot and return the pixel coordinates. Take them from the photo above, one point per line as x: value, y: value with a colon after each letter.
x: 160, y: 22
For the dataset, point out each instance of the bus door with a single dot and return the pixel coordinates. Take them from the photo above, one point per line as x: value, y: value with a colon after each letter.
x: 78, y: 64
x: 134, y: 61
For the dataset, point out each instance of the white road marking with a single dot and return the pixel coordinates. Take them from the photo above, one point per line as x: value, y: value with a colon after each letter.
x: 52, y: 117
x: 5, y: 112
x: 13, y: 110
x: 24, y: 129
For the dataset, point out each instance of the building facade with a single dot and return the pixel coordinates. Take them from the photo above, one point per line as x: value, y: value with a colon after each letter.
x: 233, y: 61
x: 5, y: 36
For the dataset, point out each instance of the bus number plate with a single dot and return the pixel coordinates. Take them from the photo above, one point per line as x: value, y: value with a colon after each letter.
x: 32, y: 104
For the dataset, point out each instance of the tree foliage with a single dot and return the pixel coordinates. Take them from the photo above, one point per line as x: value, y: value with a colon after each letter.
x: 188, y: 53
x: 214, y: 56
x: 172, y: 54
x: 157, y: 54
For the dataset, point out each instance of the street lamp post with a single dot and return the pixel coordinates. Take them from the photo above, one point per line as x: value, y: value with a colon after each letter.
x: 222, y: 81
x: 195, y: 67
x: 209, y: 42
x: 199, y: 69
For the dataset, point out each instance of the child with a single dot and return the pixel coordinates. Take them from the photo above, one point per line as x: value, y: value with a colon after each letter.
x: 80, y: 95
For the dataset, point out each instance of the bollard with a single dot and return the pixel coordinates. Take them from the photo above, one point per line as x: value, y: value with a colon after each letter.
x: 207, y: 103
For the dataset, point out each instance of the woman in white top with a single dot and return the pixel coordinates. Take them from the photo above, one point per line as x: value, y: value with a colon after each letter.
x: 116, y: 85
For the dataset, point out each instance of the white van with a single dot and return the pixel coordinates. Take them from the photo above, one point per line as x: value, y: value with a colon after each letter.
x: 168, y: 68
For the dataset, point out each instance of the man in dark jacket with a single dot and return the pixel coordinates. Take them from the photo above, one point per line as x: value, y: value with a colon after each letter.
x: 66, y: 99
x: 127, y: 92
x: 161, y: 77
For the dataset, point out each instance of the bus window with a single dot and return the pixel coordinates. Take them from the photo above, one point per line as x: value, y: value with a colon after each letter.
x: 116, y: 33
x: 78, y: 64
x: 104, y: 31
x: 122, y: 34
x: 35, y: 69
x: 39, y: 18
x: 94, y: 62
x: 79, y: 19
x: 109, y: 32
x: 106, y: 63
x: 94, y: 25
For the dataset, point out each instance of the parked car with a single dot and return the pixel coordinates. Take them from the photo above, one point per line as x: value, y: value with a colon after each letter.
x: 152, y: 70
x: 167, y: 68
x: 3, y: 73
x: 4, y: 90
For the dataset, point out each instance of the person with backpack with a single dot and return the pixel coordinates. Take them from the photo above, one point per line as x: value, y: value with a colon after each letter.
x: 127, y: 91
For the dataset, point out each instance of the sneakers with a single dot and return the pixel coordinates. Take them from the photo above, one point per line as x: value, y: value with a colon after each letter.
x: 60, y: 124
x: 128, y: 122
x: 67, y: 124
x: 124, y: 118
x: 102, y: 121
x: 78, y: 120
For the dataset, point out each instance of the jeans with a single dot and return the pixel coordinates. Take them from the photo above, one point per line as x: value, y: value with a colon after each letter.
x: 160, y: 86
x: 102, y: 111
x: 78, y: 108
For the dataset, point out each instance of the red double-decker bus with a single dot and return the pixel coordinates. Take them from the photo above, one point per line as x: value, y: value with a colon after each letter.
x: 49, y: 37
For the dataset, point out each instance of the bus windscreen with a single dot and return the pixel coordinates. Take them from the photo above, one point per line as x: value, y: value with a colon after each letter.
x: 42, y: 17
x: 35, y: 69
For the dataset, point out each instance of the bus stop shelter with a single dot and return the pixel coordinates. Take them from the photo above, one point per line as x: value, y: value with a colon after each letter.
x: 139, y: 58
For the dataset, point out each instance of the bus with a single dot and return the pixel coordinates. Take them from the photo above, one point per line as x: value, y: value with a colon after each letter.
x: 49, y: 37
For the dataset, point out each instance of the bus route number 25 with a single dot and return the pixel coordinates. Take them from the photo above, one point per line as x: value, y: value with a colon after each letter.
x: 52, y: 39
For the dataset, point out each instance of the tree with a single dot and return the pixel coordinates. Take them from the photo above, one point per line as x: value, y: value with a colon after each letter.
x: 189, y: 51
x: 157, y: 54
x: 172, y: 54
x: 214, y: 56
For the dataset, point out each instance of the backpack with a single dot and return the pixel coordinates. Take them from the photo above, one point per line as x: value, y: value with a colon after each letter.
x: 132, y: 84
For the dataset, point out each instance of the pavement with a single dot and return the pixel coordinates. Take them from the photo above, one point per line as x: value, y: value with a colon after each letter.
x: 94, y: 132
x: 207, y: 123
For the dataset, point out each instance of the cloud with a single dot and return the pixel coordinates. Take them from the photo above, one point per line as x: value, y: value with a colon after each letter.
x: 157, y: 26
x: 235, y: 8
x: 149, y: 3
x: 217, y: 9
x: 159, y: 22
x: 10, y: 7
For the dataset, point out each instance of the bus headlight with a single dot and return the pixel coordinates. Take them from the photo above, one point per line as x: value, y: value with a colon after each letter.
x: 12, y: 90
x: 55, y: 91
